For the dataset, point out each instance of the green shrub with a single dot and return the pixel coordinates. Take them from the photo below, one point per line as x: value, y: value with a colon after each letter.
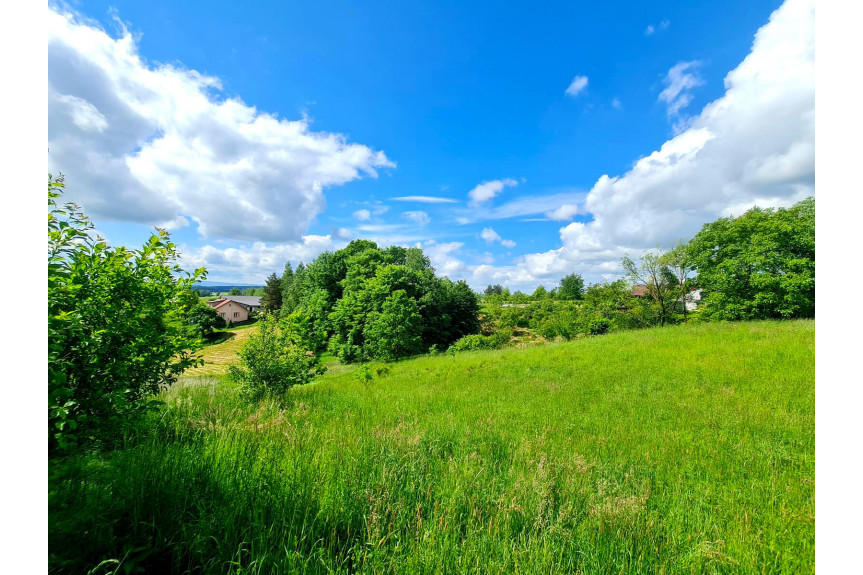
x: 204, y: 320
x: 477, y: 341
x: 117, y: 329
x: 272, y: 361
x: 598, y: 326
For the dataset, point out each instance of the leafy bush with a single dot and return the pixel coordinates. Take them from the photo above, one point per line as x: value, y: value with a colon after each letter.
x: 272, y: 361
x: 598, y: 325
x: 204, y: 320
x: 477, y: 341
x: 117, y: 327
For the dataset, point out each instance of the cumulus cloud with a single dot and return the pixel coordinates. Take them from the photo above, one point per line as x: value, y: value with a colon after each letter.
x: 145, y: 143
x: 251, y: 263
x: 490, y: 236
x: 564, y: 213
x: 420, y: 218
x: 755, y: 145
x: 488, y: 190
x: 681, y: 78
x: 443, y: 259
x: 362, y: 215
x: 577, y: 86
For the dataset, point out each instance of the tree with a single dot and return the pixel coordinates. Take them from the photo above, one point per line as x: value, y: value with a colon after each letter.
x: 760, y: 265
x: 571, y: 287
x: 295, y: 290
x: 679, y: 261
x: 204, y: 320
x: 117, y: 328
x: 494, y: 290
x: 235, y: 291
x: 286, y: 280
x: 539, y: 293
x: 394, y: 332
x: 650, y: 271
x: 271, y: 301
x: 272, y: 361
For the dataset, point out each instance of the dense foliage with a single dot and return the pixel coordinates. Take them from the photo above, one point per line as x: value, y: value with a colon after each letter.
x: 760, y: 265
x: 204, y: 320
x: 271, y: 300
x: 273, y: 361
x: 366, y: 303
x: 117, y: 326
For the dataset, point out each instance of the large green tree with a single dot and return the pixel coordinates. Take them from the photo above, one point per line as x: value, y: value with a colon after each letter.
x: 760, y: 265
x: 271, y: 301
x: 571, y: 287
x: 338, y: 301
x: 662, y: 290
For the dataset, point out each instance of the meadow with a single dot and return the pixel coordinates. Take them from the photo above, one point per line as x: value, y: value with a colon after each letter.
x: 685, y: 449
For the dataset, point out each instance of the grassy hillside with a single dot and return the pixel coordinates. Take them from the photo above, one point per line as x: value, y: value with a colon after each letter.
x: 688, y: 449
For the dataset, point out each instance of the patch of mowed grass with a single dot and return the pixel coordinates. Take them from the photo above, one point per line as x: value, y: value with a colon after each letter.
x: 687, y: 449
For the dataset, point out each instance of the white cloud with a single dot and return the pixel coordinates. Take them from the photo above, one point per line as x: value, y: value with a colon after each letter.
x: 519, y: 207
x: 362, y: 215
x: 488, y: 190
x: 578, y: 84
x: 616, y: 104
x: 443, y: 260
x: 420, y: 218
x: 564, y: 213
x: 146, y: 142
x: 426, y: 199
x: 755, y: 145
x: 649, y: 31
x: 490, y: 236
x: 252, y: 263
x: 678, y: 81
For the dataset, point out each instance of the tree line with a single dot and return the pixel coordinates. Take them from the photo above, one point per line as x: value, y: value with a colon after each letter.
x: 124, y: 323
x: 365, y: 303
x: 760, y: 265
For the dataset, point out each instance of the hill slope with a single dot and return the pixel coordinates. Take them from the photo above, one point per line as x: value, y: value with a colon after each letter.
x: 677, y: 450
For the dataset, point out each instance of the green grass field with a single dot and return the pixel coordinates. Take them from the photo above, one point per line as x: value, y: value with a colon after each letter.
x: 688, y: 449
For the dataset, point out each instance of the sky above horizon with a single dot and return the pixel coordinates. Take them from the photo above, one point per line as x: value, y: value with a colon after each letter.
x: 514, y: 145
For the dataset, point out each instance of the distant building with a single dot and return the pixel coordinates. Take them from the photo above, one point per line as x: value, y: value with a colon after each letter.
x: 236, y: 308
x: 693, y: 298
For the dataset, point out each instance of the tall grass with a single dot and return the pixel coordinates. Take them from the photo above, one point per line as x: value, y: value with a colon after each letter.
x: 688, y: 449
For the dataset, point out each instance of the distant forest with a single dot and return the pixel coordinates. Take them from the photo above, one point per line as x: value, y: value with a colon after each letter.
x: 213, y: 289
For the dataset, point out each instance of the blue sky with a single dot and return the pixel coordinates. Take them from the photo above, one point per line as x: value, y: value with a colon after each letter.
x: 514, y: 144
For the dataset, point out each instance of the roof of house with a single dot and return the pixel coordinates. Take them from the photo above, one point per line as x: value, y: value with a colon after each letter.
x: 243, y: 300
x: 639, y: 291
